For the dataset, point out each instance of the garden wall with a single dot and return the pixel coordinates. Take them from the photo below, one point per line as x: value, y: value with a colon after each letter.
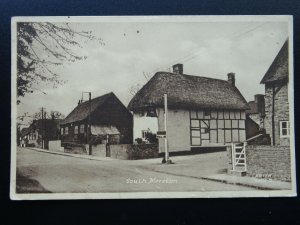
x: 99, y: 150
x: 138, y: 151
x: 269, y: 162
x: 56, y: 146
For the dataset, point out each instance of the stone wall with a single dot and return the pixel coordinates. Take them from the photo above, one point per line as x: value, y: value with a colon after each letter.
x: 129, y: 151
x: 281, y: 111
x: 269, y: 162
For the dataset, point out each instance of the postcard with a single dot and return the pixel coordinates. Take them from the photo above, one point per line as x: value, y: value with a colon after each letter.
x: 125, y: 107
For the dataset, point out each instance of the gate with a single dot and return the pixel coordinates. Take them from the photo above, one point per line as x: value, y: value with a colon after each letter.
x: 238, y: 154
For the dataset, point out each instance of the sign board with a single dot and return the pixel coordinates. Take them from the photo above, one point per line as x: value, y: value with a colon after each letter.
x: 161, y: 134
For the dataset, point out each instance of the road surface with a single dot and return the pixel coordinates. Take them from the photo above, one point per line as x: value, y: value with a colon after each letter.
x: 44, y: 172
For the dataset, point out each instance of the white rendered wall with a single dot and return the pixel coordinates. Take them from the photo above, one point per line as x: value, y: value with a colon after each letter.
x: 141, y: 123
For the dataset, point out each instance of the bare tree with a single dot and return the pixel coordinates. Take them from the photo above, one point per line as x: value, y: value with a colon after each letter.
x: 27, y: 119
x: 42, y: 46
x: 134, y: 89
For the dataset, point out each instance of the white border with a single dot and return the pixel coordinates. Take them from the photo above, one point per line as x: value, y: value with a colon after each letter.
x: 143, y: 195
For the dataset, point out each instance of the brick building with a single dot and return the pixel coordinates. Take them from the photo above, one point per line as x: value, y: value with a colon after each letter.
x: 257, y: 110
x: 276, y: 98
x: 255, y: 116
x: 202, y: 111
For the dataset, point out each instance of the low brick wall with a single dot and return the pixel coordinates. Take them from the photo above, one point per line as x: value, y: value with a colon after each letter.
x: 99, y: 150
x: 56, y: 146
x: 269, y: 162
x: 132, y: 152
x: 77, y: 150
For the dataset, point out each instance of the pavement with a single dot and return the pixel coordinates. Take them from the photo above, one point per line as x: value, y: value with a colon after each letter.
x: 188, y: 166
x: 41, y: 172
x: 261, y: 184
x: 90, y: 157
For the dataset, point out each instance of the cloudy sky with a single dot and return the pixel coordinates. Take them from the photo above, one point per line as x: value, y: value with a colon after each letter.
x: 135, y: 49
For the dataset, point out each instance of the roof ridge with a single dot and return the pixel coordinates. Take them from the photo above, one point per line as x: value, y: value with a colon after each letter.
x: 189, y: 75
x: 105, y: 97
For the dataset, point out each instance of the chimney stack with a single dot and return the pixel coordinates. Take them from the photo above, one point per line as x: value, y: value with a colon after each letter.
x: 259, y: 100
x: 178, y: 68
x: 231, y: 78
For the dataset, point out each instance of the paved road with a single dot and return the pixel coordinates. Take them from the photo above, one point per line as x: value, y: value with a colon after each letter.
x: 44, y: 172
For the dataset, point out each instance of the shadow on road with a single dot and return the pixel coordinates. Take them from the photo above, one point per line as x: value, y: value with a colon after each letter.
x: 27, y: 185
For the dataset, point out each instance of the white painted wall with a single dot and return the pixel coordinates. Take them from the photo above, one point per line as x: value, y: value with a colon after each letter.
x: 178, y: 130
x: 143, y: 123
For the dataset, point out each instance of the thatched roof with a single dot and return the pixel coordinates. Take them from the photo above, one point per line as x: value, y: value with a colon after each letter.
x: 81, y: 112
x: 187, y: 92
x: 279, y: 69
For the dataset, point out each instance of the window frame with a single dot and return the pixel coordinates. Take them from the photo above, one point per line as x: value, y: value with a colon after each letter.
x: 76, y: 129
x: 281, y: 129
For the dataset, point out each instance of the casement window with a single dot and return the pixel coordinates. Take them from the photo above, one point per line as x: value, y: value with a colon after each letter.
x: 62, y: 131
x: 284, y: 129
x: 82, y: 128
x: 76, y: 130
x: 66, y: 130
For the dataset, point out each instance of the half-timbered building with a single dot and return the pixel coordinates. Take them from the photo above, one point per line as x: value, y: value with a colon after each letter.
x: 202, y: 111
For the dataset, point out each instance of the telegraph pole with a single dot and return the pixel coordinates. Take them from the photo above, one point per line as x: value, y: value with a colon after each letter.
x: 42, y: 126
x: 90, y: 133
x: 166, y: 123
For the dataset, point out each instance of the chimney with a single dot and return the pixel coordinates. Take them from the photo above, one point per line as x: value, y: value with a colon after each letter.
x: 178, y: 68
x: 231, y: 78
x: 259, y: 100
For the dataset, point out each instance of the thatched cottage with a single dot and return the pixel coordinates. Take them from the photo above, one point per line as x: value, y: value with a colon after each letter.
x: 277, y: 99
x: 109, y: 118
x: 202, y: 111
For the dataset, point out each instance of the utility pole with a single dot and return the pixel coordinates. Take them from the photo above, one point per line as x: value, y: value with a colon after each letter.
x: 42, y: 126
x: 166, y: 123
x: 90, y: 133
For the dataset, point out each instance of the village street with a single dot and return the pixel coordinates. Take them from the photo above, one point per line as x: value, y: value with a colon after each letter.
x: 43, y: 172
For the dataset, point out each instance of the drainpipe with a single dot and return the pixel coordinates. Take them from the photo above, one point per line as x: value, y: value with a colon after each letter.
x: 273, y: 112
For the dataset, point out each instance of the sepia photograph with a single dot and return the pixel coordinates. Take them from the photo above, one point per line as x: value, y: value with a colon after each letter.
x: 125, y: 107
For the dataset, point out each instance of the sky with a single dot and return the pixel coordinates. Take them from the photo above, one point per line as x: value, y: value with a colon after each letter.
x: 135, y: 49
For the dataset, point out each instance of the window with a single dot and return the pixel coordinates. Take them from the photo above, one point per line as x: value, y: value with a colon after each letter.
x: 82, y: 128
x: 61, y: 131
x: 76, y: 130
x: 284, y: 129
x: 66, y: 130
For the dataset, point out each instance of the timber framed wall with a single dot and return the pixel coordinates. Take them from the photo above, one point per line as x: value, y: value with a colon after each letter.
x: 217, y: 127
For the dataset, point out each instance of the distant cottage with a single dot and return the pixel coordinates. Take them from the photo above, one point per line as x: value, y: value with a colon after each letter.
x: 110, y: 121
x: 40, y: 132
x: 276, y: 98
x: 202, y: 111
